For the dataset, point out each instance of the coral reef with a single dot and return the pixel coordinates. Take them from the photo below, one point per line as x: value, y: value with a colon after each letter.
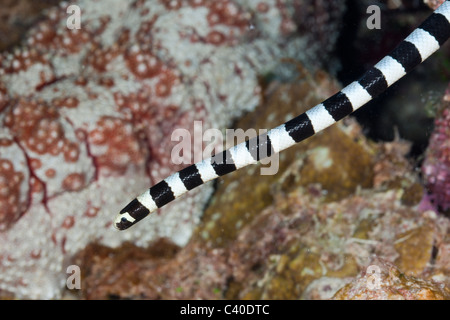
x: 86, y: 118
x: 436, y: 167
x: 87, y: 115
x: 387, y: 282
x: 309, y: 232
x: 292, y: 236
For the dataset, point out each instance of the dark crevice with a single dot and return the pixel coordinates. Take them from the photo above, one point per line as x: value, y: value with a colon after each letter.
x: 357, y: 50
x: 345, y: 49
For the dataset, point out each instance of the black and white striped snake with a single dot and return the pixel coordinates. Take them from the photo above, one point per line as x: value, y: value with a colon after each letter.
x: 413, y: 50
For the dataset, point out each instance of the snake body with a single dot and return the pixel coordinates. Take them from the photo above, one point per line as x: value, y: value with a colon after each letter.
x: 413, y: 50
